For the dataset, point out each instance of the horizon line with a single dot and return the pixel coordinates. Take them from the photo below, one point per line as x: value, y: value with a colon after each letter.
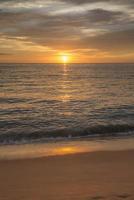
x: 67, y: 63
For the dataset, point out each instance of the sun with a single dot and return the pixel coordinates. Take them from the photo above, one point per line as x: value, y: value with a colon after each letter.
x: 65, y: 58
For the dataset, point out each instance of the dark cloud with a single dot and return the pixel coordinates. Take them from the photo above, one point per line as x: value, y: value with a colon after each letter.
x: 101, y: 15
x: 113, y: 41
x: 121, y: 2
x: 15, y: 22
x: 77, y: 1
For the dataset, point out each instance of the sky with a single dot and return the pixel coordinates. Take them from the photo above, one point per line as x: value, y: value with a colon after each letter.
x: 88, y: 31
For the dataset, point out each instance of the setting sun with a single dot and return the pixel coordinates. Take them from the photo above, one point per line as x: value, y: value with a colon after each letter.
x: 65, y: 58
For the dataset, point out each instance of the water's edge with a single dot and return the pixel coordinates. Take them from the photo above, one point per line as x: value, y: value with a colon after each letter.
x: 96, y: 132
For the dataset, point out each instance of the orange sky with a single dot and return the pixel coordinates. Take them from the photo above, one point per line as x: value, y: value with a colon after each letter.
x: 86, y: 31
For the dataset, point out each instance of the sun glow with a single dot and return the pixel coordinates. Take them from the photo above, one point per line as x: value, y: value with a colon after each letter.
x: 65, y: 58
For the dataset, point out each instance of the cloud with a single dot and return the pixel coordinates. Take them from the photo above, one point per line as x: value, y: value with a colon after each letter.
x: 120, y: 41
x: 101, y: 15
x: 121, y: 2
x: 5, y: 54
x: 74, y: 24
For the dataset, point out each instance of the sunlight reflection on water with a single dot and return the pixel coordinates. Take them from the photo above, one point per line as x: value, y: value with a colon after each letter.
x: 39, y: 101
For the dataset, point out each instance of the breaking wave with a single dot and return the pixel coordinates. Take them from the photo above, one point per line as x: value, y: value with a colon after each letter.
x: 99, y: 131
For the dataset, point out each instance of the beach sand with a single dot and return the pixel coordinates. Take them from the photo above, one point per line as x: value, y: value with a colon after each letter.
x: 86, y: 176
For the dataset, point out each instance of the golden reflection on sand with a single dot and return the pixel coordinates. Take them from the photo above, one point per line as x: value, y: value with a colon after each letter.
x: 65, y: 150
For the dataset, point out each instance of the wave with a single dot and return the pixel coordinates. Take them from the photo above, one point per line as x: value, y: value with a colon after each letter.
x: 99, y: 131
x: 13, y: 100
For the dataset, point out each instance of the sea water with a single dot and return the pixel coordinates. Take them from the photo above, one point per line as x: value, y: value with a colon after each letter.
x: 42, y: 103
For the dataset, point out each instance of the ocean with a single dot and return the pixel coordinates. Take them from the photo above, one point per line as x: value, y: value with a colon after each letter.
x: 46, y: 102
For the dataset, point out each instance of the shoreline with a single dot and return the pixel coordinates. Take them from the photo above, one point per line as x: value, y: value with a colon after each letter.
x: 82, y: 176
x: 39, y: 150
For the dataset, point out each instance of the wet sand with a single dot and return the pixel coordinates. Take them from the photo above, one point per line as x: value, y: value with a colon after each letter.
x: 86, y: 176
